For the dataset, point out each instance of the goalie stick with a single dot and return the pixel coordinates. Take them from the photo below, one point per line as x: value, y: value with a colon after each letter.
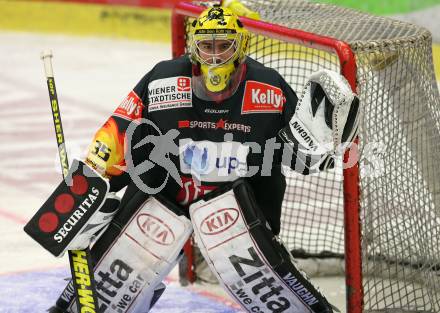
x: 80, y: 261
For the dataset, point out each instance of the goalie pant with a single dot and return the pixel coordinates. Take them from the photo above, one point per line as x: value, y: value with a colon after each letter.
x: 140, y: 247
x: 248, y: 260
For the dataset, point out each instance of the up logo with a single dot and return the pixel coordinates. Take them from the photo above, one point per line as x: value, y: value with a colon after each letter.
x: 196, y: 158
x: 155, y: 229
x: 213, y: 161
x: 219, y: 221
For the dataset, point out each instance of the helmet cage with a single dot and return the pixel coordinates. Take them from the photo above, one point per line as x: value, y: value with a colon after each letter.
x: 215, y: 49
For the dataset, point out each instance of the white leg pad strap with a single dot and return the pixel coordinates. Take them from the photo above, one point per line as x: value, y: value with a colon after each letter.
x: 242, y: 252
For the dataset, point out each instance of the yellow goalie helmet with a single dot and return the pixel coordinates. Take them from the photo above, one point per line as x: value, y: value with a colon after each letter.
x: 218, y: 48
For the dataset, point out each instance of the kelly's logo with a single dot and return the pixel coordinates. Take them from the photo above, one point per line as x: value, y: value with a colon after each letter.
x: 130, y: 108
x: 262, y: 98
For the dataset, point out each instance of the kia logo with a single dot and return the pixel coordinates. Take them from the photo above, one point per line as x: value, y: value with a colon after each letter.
x: 219, y: 221
x: 155, y: 229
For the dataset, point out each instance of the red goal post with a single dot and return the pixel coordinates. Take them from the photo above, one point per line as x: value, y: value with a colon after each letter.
x: 347, y: 62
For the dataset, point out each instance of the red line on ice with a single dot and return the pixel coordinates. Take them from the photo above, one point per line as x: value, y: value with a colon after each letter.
x: 13, y: 217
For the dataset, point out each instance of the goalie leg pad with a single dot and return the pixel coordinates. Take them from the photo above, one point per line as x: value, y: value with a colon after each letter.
x: 135, y: 258
x: 248, y: 260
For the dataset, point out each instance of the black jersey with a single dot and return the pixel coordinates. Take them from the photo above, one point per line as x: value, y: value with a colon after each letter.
x: 183, y: 147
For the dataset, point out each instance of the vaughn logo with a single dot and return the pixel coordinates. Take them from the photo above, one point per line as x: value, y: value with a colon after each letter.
x: 299, y: 289
x: 297, y: 127
x: 130, y: 108
x: 219, y: 221
x: 262, y: 98
x: 155, y: 229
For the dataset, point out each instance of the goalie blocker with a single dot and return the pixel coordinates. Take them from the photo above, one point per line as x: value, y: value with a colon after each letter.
x: 139, y: 248
x: 76, y: 212
x: 249, y: 261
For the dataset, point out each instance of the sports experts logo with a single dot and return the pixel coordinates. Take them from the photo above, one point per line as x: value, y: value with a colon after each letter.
x: 220, y: 124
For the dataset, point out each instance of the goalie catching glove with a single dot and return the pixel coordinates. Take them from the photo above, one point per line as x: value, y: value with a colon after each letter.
x: 325, y: 122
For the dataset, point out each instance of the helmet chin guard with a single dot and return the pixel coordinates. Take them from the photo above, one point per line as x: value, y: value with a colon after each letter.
x: 216, y: 78
x: 217, y: 85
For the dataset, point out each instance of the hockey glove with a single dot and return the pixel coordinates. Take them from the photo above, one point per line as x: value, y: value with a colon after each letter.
x: 76, y: 213
x: 325, y: 122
